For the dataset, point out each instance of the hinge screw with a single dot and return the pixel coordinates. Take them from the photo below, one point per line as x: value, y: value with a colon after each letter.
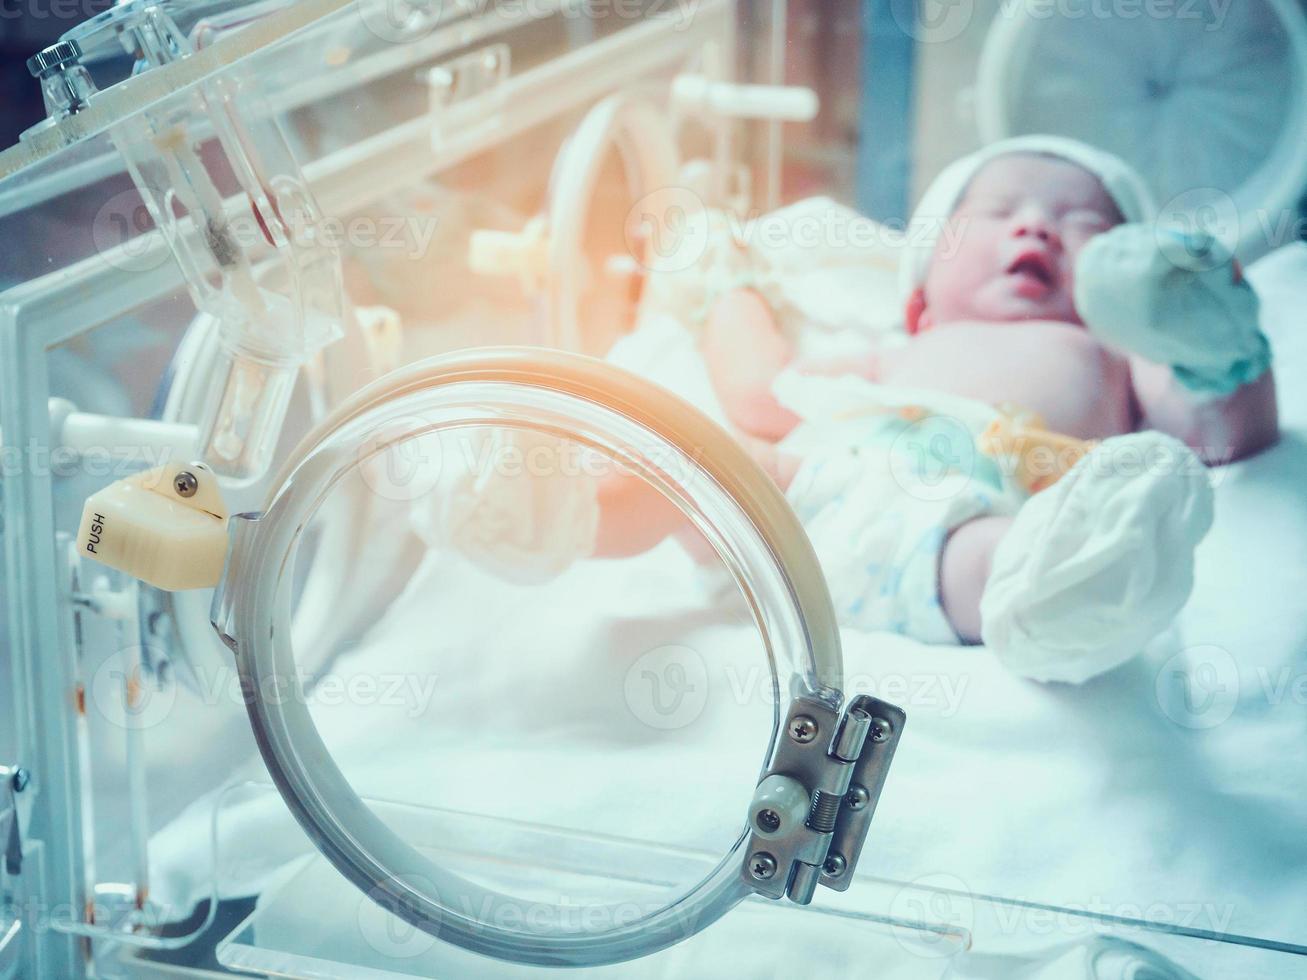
x: 834, y: 866
x: 803, y: 729
x: 20, y: 780
x: 880, y: 729
x: 857, y: 797
x: 762, y: 866
x: 769, y: 821
x: 185, y: 484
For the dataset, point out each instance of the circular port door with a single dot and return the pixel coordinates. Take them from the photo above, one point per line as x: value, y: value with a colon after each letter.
x: 727, y: 501
x: 622, y: 152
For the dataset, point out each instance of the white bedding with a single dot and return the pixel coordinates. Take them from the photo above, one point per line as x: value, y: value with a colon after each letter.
x: 1118, y: 795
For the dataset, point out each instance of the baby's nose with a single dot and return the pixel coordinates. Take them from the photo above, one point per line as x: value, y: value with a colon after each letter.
x: 1034, y: 225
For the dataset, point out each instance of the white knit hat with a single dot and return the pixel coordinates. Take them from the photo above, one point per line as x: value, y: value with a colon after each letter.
x: 1120, y: 180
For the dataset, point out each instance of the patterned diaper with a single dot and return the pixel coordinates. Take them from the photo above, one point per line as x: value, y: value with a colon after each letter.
x: 887, y: 475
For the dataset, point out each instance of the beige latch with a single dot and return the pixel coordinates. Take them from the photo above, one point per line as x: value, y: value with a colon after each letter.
x: 524, y: 254
x: 166, y: 526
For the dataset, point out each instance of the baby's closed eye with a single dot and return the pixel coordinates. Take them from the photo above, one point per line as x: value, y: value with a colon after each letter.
x: 1088, y: 220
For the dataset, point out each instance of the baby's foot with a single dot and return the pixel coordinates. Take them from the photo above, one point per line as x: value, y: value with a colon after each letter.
x: 1098, y: 564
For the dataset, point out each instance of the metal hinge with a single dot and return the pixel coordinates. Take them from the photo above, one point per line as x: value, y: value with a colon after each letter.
x: 813, y: 806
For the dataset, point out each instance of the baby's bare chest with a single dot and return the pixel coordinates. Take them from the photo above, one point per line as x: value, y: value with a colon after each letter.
x: 1078, y: 386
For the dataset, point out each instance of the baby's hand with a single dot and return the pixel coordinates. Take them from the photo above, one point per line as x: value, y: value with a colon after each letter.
x: 1174, y: 299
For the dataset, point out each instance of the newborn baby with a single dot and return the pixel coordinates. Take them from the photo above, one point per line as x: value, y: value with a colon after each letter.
x: 1053, y: 304
x: 918, y: 532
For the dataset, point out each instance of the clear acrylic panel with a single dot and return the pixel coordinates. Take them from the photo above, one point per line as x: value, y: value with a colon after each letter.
x: 1159, y: 802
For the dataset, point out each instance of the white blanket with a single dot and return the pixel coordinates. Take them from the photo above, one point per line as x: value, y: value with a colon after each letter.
x: 1171, y: 789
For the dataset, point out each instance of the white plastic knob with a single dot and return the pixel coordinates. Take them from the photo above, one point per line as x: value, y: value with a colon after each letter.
x: 786, y: 103
x: 523, y: 254
x: 780, y: 805
x: 166, y: 526
x: 383, y: 335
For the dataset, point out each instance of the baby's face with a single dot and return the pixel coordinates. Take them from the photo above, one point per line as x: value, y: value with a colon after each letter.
x: 1014, y: 241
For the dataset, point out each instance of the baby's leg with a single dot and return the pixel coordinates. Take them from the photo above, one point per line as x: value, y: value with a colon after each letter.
x: 744, y: 349
x: 964, y: 566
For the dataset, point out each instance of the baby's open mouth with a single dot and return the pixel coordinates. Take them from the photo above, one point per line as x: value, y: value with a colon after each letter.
x: 1034, y: 267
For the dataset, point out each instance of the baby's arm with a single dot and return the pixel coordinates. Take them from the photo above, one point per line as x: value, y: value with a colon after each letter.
x: 1219, y: 430
x: 634, y: 516
x: 745, y: 350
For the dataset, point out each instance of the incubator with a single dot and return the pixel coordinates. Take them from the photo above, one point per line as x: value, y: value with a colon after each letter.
x: 295, y: 694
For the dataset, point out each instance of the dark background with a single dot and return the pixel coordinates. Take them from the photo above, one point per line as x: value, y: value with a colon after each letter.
x: 27, y: 26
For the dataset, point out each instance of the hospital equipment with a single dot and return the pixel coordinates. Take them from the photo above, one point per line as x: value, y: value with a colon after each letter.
x: 1159, y: 111
x: 181, y: 220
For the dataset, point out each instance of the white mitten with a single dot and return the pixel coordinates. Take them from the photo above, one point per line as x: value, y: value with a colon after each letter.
x: 1171, y: 298
x: 1098, y: 564
x: 515, y: 502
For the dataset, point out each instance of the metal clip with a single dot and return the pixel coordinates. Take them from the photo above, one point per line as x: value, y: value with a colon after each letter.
x: 461, y: 90
x: 813, y: 806
x: 13, y: 780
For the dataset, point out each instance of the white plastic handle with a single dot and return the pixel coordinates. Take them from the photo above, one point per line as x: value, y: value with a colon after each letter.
x: 785, y: 103
x: 118, y: 437
x: 524, y: 254
x: 166, y: 526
